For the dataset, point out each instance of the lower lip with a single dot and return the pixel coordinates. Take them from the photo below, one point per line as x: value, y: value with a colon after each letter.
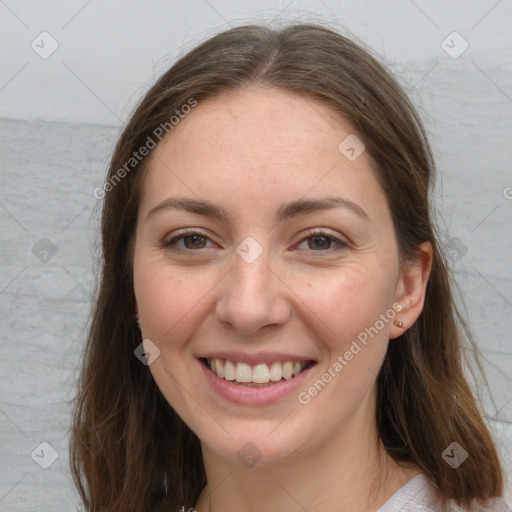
x: 245, y: 395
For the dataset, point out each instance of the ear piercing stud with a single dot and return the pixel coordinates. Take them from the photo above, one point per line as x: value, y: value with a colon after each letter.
x: 399, y: 324
x: 138, y: 323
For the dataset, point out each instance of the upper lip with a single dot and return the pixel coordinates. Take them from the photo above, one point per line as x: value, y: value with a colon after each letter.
x: 253, y: 359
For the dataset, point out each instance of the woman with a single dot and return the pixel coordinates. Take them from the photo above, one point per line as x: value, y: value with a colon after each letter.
x: 274, y: 325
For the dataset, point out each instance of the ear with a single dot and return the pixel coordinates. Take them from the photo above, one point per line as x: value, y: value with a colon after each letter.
x: 136, y: 309
x: 411, y: 288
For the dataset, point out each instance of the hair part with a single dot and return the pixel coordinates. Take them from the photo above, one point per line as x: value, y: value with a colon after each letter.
x: 126, y: 439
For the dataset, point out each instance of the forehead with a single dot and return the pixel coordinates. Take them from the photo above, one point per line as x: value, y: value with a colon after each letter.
x: 269, y: 122
x: 259, y: 145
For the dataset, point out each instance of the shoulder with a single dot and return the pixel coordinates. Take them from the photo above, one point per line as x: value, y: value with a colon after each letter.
x: 419, y: 495
x: 496, y: 505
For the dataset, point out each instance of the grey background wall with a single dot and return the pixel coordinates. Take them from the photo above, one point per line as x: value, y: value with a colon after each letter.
x: 71, y: 73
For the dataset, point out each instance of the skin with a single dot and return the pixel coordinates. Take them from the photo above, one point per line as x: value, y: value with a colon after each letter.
x: 250, y: 151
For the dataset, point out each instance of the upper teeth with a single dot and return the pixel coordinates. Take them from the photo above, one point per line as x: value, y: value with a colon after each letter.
x: 260, y: 373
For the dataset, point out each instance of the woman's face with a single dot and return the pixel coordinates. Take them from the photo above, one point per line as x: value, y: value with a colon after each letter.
x: 264, y: 249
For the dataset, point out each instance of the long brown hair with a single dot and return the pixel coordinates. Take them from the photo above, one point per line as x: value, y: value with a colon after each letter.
x: 129, y: 450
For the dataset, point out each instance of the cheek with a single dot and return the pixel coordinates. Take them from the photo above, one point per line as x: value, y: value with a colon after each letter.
x: 347, y: 313
x: 169, y: 300
x: 171, y: 306
x: 347, y: 302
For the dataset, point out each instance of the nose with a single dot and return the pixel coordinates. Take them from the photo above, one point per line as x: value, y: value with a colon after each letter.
x: 252, y: 297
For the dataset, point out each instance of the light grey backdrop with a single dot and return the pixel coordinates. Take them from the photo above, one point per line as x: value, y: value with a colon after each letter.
x: 71, y: 73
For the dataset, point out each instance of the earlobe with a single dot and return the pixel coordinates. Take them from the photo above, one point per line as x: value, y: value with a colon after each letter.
x: 411, y: 289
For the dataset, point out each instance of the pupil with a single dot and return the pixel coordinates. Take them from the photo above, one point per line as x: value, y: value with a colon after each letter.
x: 321, y: 241
x: 194, y: 241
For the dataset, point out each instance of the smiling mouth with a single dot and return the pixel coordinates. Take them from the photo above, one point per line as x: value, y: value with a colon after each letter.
x: 258, y: 375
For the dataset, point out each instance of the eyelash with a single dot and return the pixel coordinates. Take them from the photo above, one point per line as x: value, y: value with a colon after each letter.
x: 312, y: 233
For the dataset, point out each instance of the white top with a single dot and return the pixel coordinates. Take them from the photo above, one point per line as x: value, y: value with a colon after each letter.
x: 418, y: 495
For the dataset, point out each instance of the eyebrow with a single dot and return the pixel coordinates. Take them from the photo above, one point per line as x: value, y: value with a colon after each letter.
x: 285, y: 211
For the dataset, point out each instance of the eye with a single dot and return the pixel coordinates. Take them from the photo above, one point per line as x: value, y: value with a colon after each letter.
x: 320, y: 241
x: 188, y: 240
